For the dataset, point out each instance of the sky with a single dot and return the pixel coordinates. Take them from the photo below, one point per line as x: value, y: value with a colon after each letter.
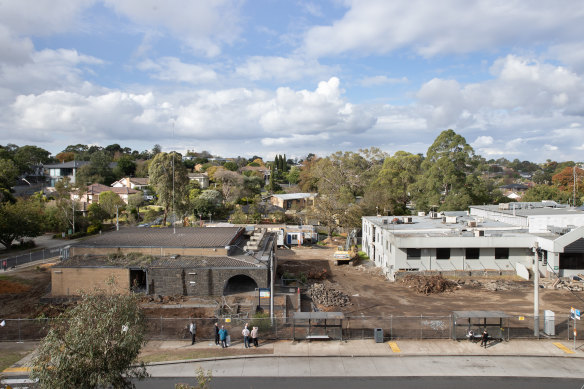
x: 267, y: 77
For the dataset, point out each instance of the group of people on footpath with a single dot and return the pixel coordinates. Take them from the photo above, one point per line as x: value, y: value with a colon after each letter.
x: 222, y: 337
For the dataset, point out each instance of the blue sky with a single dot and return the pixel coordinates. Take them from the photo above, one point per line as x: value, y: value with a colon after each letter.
x: 267, y: 77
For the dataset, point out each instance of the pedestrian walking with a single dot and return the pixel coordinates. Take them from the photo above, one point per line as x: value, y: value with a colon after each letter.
x: 4, y: 265
x: 245, y: 332
x: 485, y: 338
x: 217, y: 334
x: 254, y: 336
x: 223, y: 336
x: 193, y: 331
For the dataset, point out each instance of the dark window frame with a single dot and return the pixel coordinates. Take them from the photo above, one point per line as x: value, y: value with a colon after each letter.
x: 442, y: 253
x: 501, y: 252
x: 475, y: 251
x: 410, y: 253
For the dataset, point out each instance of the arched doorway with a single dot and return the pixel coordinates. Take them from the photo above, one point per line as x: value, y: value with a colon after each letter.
x: 239, y: 284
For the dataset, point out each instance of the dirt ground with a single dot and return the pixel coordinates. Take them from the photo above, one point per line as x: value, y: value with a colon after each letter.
x: 372, y: 294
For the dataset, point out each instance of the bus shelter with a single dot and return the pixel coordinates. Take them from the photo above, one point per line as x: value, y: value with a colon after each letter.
x: 495, y: 322
x: 317, y: 325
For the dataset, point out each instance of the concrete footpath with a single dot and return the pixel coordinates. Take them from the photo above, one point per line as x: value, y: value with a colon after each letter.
x: 440, y: 357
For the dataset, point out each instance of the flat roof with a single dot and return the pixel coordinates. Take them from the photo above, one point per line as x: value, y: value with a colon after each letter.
x: 437, y: 227
x: 170, y: 262
x: 531, y: 211
x: 185, y: 237
x: 292, y: 196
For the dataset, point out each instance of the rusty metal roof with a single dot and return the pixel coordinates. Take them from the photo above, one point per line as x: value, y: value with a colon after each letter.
x: 186, y: 237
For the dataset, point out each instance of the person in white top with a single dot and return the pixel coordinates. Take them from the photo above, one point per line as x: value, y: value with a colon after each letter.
x: 254, y: 336
x: 193, y: 331
x: 245, y: 332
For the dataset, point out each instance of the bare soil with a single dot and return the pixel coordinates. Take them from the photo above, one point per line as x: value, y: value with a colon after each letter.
x: 373, y: 295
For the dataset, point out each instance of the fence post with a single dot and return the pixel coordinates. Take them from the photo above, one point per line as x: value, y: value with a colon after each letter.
x: 30, y: 256
x: 19, y: 335
x: 391, y: 326
x: 160, y: 326
x: 421, y: 334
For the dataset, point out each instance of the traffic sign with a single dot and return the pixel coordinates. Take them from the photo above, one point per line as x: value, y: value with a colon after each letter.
x: 574, y: 313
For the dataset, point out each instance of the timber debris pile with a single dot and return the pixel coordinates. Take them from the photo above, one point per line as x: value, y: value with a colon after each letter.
x: 322, y: 294
x: 429, y: 284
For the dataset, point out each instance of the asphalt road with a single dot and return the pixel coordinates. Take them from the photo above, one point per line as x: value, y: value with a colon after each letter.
x: 370, y: 382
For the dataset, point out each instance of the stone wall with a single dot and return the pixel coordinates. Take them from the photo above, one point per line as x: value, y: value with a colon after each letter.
x: 199, y: 282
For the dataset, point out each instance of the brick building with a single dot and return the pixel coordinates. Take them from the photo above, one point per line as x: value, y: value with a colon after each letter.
x: 191, y: 262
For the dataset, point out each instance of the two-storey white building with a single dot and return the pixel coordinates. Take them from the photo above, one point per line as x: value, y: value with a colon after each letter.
x: 483, y: 242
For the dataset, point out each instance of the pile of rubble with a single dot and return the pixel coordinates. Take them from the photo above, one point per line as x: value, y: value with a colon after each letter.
x: 574, y: 284
x: 326, y: 296
x: 164, y: 299
x: 493, y: 285
x: 429, y: 284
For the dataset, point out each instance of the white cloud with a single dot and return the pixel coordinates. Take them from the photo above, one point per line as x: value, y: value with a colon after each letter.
x: 482, y: 141
x: 204, y: 26
x: 281, y: 69
x: 450, y: 26
x: 382, y: 80
x: 172, y: 69
x: 42, y: 17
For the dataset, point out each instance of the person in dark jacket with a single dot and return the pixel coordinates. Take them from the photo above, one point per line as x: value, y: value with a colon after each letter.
x: 217, y: 334
x: 485, y: 338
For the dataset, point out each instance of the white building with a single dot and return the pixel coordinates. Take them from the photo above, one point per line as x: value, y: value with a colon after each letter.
x: 455, y: 241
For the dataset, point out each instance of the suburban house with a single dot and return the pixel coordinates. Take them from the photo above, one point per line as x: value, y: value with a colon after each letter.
x: 95, y: 190
x: 211, y: 261
x: 261, y: 171
x: 59, y: 171
x: 514, y: 191
x: 201, y: 178
x: 296, y: 200
x: 488, y: 240
x: 138, y: 183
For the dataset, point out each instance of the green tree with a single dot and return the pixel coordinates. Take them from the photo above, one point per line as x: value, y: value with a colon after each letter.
x: 390, y: 191
x: 97, y: 171
x: 161, y: 179
x: 126, y: 167
x: 8, y: 173
x: 230, y: 166
x: 19, y: 220
x: 94, y: 344
x: 109, y: 202
x: 546, y: 192
x: 96, y: 214
x: 27, y: 157
x: 293, y: 176
x: 444, y: 170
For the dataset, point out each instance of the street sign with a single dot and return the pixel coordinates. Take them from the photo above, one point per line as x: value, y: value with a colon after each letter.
x: 264, y: 293
x: 574, y: 313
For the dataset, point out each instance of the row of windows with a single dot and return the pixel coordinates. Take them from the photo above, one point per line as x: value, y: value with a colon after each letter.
x: 470, y: 253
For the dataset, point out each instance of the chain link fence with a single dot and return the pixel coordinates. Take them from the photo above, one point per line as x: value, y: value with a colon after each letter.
x: 31, y: 256
x: 357, y: 327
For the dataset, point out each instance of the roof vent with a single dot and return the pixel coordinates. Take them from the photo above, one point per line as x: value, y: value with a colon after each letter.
x: 472, y: 223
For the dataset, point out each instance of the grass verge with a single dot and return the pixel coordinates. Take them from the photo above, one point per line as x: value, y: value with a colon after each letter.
x: 9, y: 358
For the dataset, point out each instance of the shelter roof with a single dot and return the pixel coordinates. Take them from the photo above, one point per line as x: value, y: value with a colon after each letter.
x: 478, y: 314
x: 318, y: 315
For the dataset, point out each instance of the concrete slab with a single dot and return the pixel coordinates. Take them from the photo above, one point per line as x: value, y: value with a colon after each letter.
x: 260, y: 367
x: 294, y: 367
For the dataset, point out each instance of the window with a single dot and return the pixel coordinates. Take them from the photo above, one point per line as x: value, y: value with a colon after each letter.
x: 414, y: 253
x: 543, y: 257
x: 443, y: 253
x: 501, y: 253
x: 472, y: 253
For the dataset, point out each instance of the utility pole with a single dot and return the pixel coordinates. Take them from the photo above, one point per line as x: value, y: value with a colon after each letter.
x: 536, y: 252
x: 73, y: 205
x: 117, y: 219
x: 173, y: 155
